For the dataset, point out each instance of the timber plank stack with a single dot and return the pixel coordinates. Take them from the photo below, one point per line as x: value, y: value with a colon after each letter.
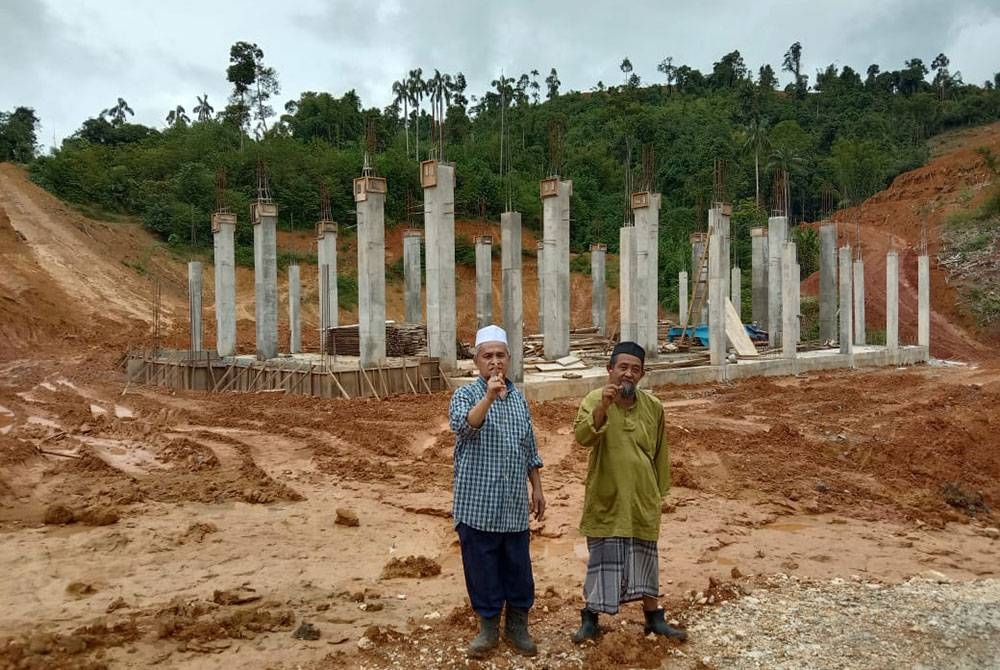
x: 401, y: 339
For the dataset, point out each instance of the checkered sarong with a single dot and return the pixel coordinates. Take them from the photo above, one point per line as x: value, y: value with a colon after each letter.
x: 620, y: 570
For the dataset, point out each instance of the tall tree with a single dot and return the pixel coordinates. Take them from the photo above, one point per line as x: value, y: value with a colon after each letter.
x: 766, y: 78
x: 402, y: 97
x: 668, y: 69
x: 535, y: 87
x: 116, y: 114
x: 418, y: 88
x: 626, y: 68
x: 203, y: 109
x: 755, y: 138
x: 18, y: 135
x: 253, y: 84
x: 793, y: 63
x: 177, y: 117
x: 552, y: 82
x: 941, y: 75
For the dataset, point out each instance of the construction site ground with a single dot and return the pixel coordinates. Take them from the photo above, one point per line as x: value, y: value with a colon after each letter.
x: 835, y: 520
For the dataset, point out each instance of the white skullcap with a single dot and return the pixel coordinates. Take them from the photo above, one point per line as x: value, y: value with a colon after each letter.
x: 491, y: 334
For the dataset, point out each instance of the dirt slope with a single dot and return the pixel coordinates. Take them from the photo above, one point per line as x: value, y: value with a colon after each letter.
x: 917, y: 203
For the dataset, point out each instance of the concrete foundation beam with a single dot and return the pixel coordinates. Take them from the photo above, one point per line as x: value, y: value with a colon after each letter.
x: 294, y: 305
x: 438, y: 181
x: 598, y: 287
x: 194, y: 304
x: 264, y: 216
x: 484, y: 280
x: 758, y: 273
x: 846, y: 297
x: 828, y: 282
x: 777, y: 233
x: 369, y: 199
x: 859, y: 302
x: 223, y: 233
x: 892, y: 301
x: 412, y: 276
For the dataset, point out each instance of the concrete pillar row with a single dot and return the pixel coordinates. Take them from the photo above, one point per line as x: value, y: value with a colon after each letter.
x: 294, y: 308
x: 758, y: 275
x: 194, y: 304
x: 777, y: 234
x: 717, y: 269
x: 224, y: 237
x: 682, y: 298
x: 598, y: 287
x: 846, y: 308
x: 789, y: 298
x: 555, y: 194
x: 264, y: 216
x: 438, y: 182
x: 369, y: 199
x: 892, y: 301
x: 859, y: 302
x: 736, y: 290
x: 627, y: 299
x: 828, y: 282
x: 326, y: 255
x: 484, y: 280
x: 924, y: 302
x: 512, y: 291
x: 646, y: 210
x: 412, y: 279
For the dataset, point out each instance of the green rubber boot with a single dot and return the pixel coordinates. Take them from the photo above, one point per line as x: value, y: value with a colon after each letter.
x: 487, y: 639
x: 515, y: 631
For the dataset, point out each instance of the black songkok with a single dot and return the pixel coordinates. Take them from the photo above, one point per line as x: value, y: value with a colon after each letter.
x: 630, y: 348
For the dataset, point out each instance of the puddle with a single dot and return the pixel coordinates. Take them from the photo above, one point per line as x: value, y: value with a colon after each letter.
x: 789, y: 527
x: 123, y: 412
x: 42, y: 421
x: 134, y: 460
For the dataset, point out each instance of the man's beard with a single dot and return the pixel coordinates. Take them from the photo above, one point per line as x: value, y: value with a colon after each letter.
x: 628, y: 390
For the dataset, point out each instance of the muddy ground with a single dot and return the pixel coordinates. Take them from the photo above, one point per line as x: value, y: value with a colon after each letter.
x: 142, y: 528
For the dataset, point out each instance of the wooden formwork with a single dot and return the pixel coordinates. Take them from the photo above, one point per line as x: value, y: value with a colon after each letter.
x: 199, y: 371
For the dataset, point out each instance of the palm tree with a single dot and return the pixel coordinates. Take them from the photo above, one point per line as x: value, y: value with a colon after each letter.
x: 403, y: 97
x: 439, y: 87
x: 177, y: 117
x: 755, y: 137
x: 203, y: 109
x: 116, y: 113
x: 535, y: 86
x: 418, y: 87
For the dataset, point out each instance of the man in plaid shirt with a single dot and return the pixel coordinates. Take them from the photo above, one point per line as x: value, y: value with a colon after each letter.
x: 495, y: 458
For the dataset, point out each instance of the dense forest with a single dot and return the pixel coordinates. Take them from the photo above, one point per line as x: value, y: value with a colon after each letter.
x: 840, y: 135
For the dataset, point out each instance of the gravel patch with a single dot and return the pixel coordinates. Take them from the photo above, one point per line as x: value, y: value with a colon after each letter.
x: 925, y: 623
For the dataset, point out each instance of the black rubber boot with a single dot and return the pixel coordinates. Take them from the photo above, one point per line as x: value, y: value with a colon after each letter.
x: 487, y: 639
x: 588, y: 627
x: 656, y: 624
x: 515, y: 631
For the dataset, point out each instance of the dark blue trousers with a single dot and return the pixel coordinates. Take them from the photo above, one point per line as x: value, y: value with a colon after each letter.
x: 497, y: 570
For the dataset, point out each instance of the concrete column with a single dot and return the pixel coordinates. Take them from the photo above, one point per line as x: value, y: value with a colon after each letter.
x: 646, y: 209
x: 513, y: 292
x: 194, y: 304
x: 892, y: 301
x: 484, y: 280
x: 682, y: 298
x: 736, y: 290
x: 758, y: 275
x: 223, y: 232
x: 540, y: 266
x: 555, y: 195
x: 265, y: 277
x: 294, y: 303
x: 628, y: 317
x: 438, y: 181
x: 369, y: 198
x: 412, y: 280
x: 924, y: 302
x: 699, y: 278
x: 326, y: 255
x: 598, y: 288
x: 828, y: 282
x: 798, y: 300
x: 719, y: 217
x: 859, y: 302
x: 789, y: 316
x: 777, y: 233
x: 717, y: 267
x: 846, y: 296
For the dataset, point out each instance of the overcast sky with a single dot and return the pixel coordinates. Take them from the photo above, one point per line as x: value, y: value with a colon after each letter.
x: 69, y: 59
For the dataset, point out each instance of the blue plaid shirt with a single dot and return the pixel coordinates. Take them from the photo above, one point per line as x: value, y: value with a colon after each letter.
x: 492, y: 462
